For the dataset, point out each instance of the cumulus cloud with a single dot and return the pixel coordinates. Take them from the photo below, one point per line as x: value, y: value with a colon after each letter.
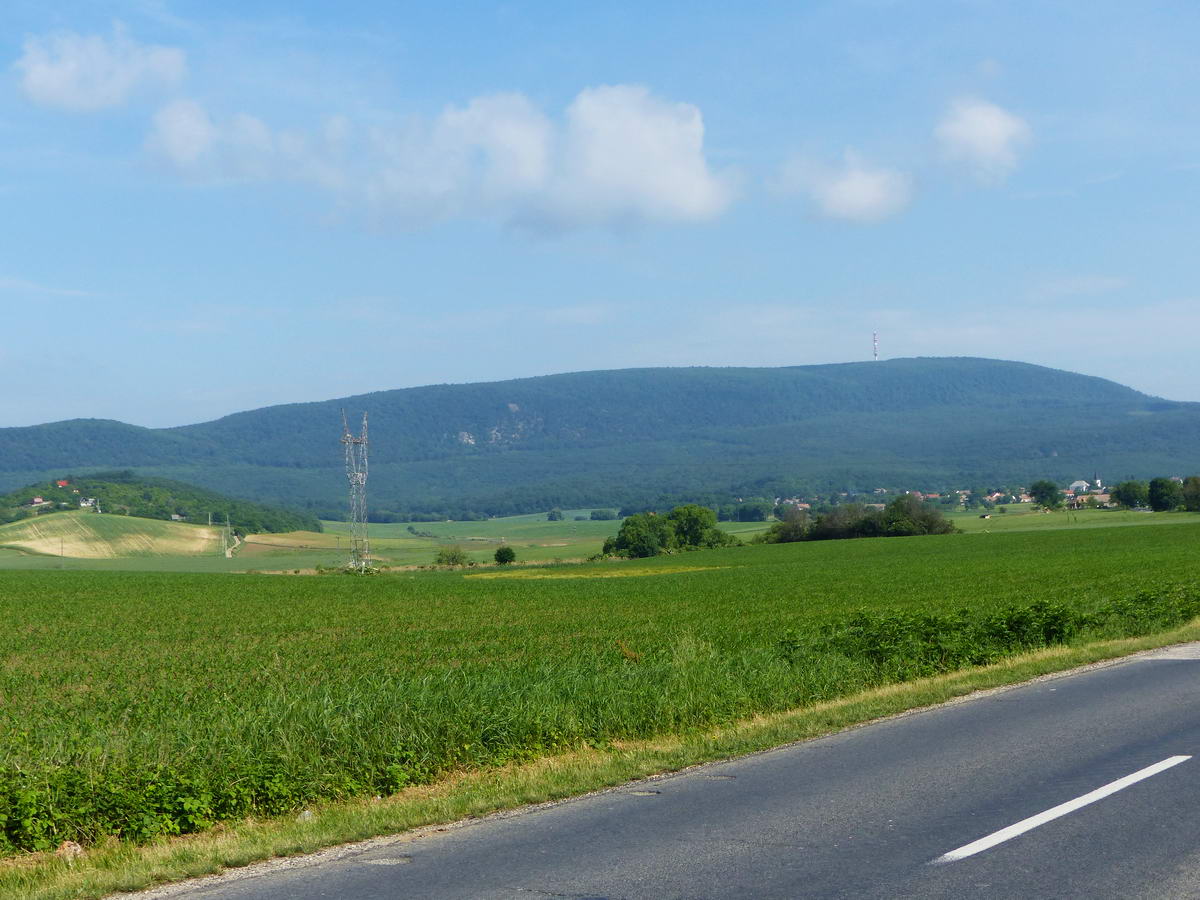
x: 617, y: 154
x: 983, y: 136
x: 90, y: 72
x: 854, y: 191
x: 629, y: 154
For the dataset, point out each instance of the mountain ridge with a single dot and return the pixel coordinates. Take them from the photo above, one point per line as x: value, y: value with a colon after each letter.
x: 605, y: 436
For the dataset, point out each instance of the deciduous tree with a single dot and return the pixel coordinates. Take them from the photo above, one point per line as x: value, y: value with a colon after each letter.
x: 1131, y: 494
x: 1046, y: 494
x: 1164, y: 494
x: 1191, y: 493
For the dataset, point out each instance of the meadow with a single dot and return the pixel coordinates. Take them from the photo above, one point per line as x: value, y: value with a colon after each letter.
x: 139, y: 704
x: 124, y: 543
x: 120, y: 543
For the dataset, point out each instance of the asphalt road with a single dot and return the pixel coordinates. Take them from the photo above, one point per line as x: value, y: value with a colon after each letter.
x: 871, y: 812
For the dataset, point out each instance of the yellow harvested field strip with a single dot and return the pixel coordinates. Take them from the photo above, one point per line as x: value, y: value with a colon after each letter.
x: 95, y: 536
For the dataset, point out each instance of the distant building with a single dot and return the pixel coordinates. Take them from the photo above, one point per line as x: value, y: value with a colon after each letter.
x: 62, y: 482
x: 1077, y: 487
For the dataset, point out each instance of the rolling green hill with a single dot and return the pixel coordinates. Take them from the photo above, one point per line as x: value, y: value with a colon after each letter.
x: 613, y: 437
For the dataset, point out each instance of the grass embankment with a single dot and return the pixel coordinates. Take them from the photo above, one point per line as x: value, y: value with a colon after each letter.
x: 144, y: 705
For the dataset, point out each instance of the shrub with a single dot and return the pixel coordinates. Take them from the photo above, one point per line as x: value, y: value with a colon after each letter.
x: 453, y: 555
x: 505, y: 555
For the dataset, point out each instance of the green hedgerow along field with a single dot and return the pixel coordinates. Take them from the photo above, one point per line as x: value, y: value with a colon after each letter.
x: 140, y: 704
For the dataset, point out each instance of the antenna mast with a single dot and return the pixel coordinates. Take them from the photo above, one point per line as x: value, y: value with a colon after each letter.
x: 356, y: 474
x: 875, y: 343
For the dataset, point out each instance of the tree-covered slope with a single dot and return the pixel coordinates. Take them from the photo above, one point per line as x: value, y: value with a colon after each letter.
x: 123, y: 493
x: 605, y: 437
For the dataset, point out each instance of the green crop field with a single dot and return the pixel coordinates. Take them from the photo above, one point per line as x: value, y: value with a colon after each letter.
x: 146, y: 703
x: 1028, y: 518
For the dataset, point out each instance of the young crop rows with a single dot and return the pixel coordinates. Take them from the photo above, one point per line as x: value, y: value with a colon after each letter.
x: 144, y: 704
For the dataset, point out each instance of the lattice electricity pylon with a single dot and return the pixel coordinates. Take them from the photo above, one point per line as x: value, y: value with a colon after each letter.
x: 356, y: 474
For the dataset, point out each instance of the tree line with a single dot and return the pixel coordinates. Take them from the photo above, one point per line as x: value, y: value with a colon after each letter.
x: 1159, y: 494
x: 905, y: 516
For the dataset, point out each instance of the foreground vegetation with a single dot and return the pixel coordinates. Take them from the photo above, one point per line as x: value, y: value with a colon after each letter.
x: 141, y: 705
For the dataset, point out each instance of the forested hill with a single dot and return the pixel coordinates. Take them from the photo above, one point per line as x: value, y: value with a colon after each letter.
x: 610, y: 436
x: 123, y: 493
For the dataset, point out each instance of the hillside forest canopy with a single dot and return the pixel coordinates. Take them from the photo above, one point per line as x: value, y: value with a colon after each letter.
x: 124, y: 493
x: 651, y: 438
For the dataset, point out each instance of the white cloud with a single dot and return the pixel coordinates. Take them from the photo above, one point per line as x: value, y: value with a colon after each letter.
x: 853, y: 191
x: 618, y: 154
x: 90, y: 72
x: 627, y: 154
x: 982, y: 136
x: 183, y: 132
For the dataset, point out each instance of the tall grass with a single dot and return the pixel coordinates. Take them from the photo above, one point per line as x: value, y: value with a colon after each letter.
x: 146, y: 704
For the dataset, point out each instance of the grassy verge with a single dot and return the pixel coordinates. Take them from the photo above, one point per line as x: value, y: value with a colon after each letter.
x: 118, y: 866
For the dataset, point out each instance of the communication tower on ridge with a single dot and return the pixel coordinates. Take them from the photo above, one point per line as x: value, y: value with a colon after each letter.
x: 875, y: 343
x: 356, y: 474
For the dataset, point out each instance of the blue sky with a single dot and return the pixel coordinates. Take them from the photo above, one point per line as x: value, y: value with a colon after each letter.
x: 219, y: 206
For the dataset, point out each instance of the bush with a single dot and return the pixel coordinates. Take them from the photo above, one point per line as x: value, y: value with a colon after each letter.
x: 603, y: 515
x: 505, y: 555
x: 453, y: 555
